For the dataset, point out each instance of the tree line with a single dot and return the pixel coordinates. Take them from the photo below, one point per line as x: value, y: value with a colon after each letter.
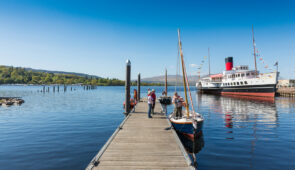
x: 17, y: 75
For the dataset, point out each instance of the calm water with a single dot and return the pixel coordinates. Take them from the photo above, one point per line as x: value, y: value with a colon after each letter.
x: 65, y: 130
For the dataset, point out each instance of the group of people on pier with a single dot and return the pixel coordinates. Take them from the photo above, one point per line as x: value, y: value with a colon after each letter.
x: 177, y: 101
x: 151, y: 100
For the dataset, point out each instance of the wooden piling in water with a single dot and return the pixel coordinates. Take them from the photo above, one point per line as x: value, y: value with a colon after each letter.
x: 53, y: 89
x: 138, y: 88
x: 166, y: 83
x: 127, y: 87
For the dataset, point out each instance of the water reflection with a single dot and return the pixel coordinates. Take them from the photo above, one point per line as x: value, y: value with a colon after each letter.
x: 235, y: 127
x: 237, y: 110
x: 193, y: 146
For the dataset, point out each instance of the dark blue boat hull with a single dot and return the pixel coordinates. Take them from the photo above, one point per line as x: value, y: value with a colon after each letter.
x: 188, y: 129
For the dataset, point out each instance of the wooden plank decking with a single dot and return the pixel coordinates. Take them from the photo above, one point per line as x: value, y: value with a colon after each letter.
x: 142, y: 143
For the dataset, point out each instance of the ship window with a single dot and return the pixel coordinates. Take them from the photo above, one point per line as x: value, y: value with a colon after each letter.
x: 238, y: 83
x: 234, y: 83
x: 246, y: 82
x: 243, y: 75
x: 241, y: 83
x: 248, y: 74
x: 231, y: 84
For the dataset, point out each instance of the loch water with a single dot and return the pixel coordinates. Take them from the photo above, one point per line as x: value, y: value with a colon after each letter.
x: 64, y: 130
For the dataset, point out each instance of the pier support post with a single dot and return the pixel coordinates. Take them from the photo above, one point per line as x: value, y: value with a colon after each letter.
x: 138, y: 88
x: 127, y: 87
x: 58, y: 88
x: 53, y: 89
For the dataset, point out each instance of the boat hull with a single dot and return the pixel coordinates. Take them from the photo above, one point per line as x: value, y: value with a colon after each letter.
x: 187, y: 129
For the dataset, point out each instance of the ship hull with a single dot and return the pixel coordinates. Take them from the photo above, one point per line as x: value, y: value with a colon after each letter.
x: 210, y: 90
x: 251, y: 90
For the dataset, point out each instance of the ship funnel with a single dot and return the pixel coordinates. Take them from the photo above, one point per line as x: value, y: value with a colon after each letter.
x: 229, y: 63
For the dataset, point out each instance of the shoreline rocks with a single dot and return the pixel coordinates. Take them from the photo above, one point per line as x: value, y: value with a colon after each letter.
x: 9, y: 101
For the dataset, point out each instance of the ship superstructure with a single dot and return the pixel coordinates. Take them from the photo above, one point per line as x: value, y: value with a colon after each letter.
x: 239, y: 80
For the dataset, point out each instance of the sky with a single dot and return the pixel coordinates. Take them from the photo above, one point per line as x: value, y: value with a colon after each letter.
x: 98, y: 36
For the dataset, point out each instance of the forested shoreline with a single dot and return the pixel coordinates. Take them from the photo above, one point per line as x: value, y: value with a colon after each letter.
x: 18, y: 75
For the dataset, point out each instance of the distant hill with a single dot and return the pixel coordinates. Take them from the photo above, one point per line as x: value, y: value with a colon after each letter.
x: 171, y: 79
x: 59, y: 72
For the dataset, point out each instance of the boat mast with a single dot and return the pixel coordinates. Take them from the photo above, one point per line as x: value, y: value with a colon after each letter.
x: 209, y: 60
x: 166, y: 82
x: 254, y: 47
x: 183, y: 74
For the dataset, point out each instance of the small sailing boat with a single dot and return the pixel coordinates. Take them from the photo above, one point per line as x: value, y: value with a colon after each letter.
x: 191, y: 122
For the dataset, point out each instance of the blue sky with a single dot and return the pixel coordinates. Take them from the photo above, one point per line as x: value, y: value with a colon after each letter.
x: 96, y: 37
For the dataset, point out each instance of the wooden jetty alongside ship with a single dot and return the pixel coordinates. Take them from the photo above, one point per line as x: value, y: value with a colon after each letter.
x: 286, y: 91
x: 143, y: 143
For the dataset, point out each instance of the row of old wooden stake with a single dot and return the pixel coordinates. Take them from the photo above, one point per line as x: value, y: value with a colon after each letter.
x: 57, y: 88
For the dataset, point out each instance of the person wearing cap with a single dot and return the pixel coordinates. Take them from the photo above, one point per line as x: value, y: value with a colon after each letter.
x: 153, y: 95
x: 150, y: 103
x: 177, y: 101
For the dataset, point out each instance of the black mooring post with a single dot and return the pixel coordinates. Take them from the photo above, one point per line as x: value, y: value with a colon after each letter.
x: 127, y: 87
x: 58, y: 88
x: 138, y: 88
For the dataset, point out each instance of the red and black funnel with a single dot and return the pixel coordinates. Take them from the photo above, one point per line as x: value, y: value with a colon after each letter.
x: 229, y: 63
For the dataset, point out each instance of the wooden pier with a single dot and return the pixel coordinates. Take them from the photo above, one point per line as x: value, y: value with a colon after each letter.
x: 143, y: 143
x: 286, y: 91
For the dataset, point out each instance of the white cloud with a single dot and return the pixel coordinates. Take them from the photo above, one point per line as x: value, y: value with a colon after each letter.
x: 193, y: 65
